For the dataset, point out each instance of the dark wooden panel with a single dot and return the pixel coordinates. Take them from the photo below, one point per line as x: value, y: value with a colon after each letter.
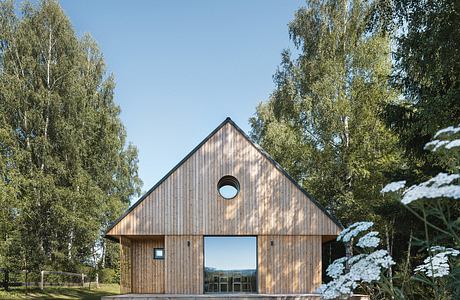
x: 125, y: 265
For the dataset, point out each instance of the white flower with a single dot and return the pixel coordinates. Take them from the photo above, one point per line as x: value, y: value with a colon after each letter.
x: 364, y: 268
x: 355, y: 258
x: 336, y: 288
x: 369, y: 267
x: 447, y: 134
x: 449, y: 130
x: 437, y: 248
x: 437, y: 187
x: 353, y: 230
x: 370, y: 240
x: 337, y: 268
x: 437, y: 265
x: 435, y: 145
x: 453, y: 143
x: 382, y: 258
x: 393, y: 187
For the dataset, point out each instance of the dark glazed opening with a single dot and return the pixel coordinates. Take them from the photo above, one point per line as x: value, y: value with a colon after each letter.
x: 228, y: 187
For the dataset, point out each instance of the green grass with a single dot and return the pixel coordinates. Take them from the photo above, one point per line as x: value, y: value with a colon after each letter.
x: 62, y: 292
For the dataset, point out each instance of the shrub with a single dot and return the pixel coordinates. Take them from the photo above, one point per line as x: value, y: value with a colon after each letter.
x: 108, y: 276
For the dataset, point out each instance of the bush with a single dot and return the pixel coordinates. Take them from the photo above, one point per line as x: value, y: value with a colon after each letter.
x: 108, y: 276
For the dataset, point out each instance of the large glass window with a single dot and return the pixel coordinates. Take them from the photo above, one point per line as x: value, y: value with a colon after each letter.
x: 230, y: 264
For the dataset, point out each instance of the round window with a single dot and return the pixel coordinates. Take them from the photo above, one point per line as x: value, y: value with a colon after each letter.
x: 228, y: 187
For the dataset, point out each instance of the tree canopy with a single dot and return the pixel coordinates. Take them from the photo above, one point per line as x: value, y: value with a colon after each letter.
x: 323, y: 121
x: 67, y: 170
x: 371, y: 83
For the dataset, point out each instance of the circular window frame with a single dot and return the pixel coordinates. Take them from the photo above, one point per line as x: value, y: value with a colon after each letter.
x: 228, y: 180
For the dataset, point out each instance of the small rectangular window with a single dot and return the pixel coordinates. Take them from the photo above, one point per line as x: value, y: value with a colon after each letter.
x: 158, y: 253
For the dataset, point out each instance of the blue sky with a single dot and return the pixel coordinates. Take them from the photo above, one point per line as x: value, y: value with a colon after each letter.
x: 182, y: 67
x: 230, y: 253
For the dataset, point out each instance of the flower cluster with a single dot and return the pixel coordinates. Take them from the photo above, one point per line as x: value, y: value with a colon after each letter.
x: 393, y: 187
x: 437, y: 144
x: 370, y: 240
x: 363, y: 268
x: 336, y: 268
x: 353, y: 230
x: 437, y: 265
x: 442, y: 185
x: 369, y: 267
x: 446, y: 143
x: 447, y: 131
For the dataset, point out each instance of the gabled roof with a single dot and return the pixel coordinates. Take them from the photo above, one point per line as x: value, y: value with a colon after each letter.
x: 259, y: 149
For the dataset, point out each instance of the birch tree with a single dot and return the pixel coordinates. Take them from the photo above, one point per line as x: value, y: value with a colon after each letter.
x: 74, y: 171
x: 323, y: 121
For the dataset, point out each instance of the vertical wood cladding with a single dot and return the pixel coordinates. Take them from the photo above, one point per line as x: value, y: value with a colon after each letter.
x: 188, y: 203
x: 149, y: 273
x: 291, y: 265
x: 286, y: 264
x: 125, y: 265
x: 184, y: 264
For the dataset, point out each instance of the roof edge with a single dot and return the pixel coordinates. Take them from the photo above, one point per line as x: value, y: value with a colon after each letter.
x: 285, y: 173
x: 132, y: 207
x: 265, y: 154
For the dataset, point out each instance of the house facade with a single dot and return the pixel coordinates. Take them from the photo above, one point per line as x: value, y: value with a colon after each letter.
x: 162, y: 236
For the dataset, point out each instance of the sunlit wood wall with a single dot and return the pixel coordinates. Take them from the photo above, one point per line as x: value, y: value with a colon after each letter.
x: 148, y: 272
x: 186, y: 206
x: 286, y: 264
x: 289, y: 264
x: 184, y: 264
x: 188, y: 202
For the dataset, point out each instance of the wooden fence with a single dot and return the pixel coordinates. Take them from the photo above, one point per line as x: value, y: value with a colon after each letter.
x: 28, y: 279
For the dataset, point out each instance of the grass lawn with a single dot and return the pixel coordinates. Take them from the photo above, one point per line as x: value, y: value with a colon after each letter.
x: 62, y: 292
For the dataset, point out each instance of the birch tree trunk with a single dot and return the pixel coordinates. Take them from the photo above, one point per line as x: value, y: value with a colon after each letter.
x: 48, y: 86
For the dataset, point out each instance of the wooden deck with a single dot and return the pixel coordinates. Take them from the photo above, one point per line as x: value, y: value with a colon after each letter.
x: 223, y: 297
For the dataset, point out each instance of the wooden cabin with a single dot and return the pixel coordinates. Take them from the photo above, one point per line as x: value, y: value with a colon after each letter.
x: 163, y: 235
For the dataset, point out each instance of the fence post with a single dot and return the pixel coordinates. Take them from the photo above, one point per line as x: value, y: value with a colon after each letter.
x: 97, y: 280
x: 27, y: 282
x: 82, y: 279
x: 42, y: 275
x: 6, y: 279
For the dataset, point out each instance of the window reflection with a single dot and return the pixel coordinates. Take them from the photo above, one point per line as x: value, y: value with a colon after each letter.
x: 230, y: 265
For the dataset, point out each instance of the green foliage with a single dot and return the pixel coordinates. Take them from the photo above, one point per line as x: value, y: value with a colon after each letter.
x: 108, y: 276
x: 373, y: 82
x: 62, y: 293
x: 66, y: 168
x: 323, y: 121
x: 435, y: 203
x: 427, y: 70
